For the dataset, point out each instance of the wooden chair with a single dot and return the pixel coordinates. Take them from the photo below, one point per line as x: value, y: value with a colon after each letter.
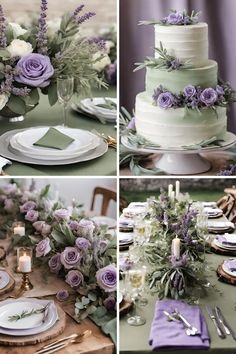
x: 123, y: 203
x: 227, y: 204
x: 107, y: 196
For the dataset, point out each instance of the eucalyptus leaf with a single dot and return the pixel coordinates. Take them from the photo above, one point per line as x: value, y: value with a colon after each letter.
x: 52, y: 94
x: 100, y: 312
x: 92, y: 296
x: 16, y: 105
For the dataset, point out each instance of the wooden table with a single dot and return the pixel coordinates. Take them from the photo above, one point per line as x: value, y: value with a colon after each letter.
x: 97, y: 343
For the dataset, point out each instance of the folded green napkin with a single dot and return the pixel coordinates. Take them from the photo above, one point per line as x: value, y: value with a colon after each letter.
x: 54, y: 139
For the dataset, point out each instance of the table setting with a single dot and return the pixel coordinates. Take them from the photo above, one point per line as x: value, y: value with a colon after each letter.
x: 57, y: 275
x: 39, y: 67
x: 183, y: 300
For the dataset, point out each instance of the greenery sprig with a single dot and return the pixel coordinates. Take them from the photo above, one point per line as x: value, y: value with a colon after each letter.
x: 26, y: 313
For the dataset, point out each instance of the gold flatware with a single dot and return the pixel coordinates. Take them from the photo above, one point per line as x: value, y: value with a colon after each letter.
x: 111, y: 141
x: 64, y: 342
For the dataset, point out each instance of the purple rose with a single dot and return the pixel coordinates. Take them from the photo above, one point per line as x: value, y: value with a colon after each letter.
x: 74, y: 226
x: 9, y: 188
x: 9, y: 204
x: 55, y: 263
x: 62, y: 295
x: 32, y: 215
x: 175, y: 18
x: 110, y: 303
x: 110, y: 74
x: 106, y: 278
x: 131, y: 124
x: 166, y: 100
x: 102, y: 245
x: 220, y: 90
x: 209, y: 96
x: 189, y: 91
x: 86, y: 228
x: 42, y: 227
x: 82, y: 243
x: 74, y: 278
x: 43, y: 248
x: 70, y: 257
x: 35, y: 70
x: 30, y: 205
x: 61, y: 214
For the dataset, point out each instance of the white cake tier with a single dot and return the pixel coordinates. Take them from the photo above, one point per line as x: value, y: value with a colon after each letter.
x: 188, y: 42
x: 177, y: 127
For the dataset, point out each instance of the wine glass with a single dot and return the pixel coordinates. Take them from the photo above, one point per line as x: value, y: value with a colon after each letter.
x: 65, y: 90
x: 135, y: 280
x: 202, y: 223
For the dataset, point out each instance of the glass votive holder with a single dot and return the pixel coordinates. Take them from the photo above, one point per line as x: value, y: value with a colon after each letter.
x: 18, y: 228
x: 24, y: 259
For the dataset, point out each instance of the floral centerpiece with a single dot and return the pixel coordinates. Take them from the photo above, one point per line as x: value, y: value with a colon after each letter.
x: 176, y: 18
x: 69, y: 245
x: 32, y: 60
x: 176, y: 252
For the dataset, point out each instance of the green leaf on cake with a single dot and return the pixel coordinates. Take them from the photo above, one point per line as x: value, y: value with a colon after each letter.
x: 214, y: 141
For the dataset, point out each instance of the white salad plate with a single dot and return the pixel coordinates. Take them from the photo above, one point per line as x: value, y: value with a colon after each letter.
x: 105, y: 220
x: 84, y: 142
x: 126, y: 238
x: 220, y: 225
x: 9, y: 153
x: 224, y: 247
x: 4, y: 279
x: 30, y: 325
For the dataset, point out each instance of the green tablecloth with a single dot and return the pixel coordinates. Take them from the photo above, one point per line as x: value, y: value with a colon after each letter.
x: 46, y: 115
x: 135, y: 339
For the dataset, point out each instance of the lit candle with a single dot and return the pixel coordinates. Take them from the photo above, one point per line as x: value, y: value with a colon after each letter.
x: 19, y: 230
x: 177, y: 189
x: 170, y: 189
x: 172, y: 196
x: 175, y: 248
x: 24, y: 264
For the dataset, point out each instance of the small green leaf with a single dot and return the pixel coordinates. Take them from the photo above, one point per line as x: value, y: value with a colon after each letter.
x: 101, y: 311
x: 5, y: 54
x: 92, y: 296
x: 16, y: 105
x: 52, y: 94
x: 44, y: 191
x: 79, y: 305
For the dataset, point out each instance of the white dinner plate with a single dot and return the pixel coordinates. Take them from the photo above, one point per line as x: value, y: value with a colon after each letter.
x: 224, y: 247
x: 105, y: 220
x: 220, y: 225
x: 9, y: 153
x: 84, y: 142
x: 29, y: 325
x: 125, y: 238
x: 4, y: 279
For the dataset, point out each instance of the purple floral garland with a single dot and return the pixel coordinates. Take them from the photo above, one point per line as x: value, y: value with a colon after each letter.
x: 180, y: 18
x: 194, y: 97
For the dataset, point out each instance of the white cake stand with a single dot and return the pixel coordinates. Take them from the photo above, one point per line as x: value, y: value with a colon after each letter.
x: 180, y: 161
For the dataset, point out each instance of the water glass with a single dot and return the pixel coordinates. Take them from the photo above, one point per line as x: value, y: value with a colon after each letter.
x: 65, y: 90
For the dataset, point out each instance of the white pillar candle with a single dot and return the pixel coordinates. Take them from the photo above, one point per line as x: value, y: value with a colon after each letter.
x: 19, y: 230
x: 170, y: 190
x: 24, y: 265
x: 177, y: 189
x: 172, y: 196
x: 175, y: 248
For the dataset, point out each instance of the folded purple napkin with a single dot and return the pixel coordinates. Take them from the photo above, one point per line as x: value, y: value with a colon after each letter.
x: 171, y: 335
x: 231, y: 264
x: 229, y: 240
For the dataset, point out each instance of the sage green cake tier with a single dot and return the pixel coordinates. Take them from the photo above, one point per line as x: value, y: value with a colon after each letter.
x: 176, y: 80
x: 175, y: 127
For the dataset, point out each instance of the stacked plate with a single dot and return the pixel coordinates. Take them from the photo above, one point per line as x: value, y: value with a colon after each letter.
x: 213, y: 212
x: 30, y: 325
x: 209, y: 204
x: 126, y: 224
x: 229, y: 267
x: 125, y: 239
x: 18, y: 145
x: 98, y: 107
x: 4, y: 279
x: 226, y: 241
x: 220, y: 226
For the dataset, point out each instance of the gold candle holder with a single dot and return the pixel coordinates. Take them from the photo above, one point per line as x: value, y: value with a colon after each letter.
x: 26, y: 283
x: 24, y: 266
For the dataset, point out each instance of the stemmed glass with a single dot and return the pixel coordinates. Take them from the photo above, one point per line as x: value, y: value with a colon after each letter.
x: 65, y: 89
x: 135, y: 280
x: 202, y: 222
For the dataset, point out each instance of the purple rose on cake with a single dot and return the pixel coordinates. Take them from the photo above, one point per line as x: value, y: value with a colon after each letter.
x: 165, y: 100
x: 189, y: 91
x: 209, y: 96
x: 175, y: 18
x: 35, y: 70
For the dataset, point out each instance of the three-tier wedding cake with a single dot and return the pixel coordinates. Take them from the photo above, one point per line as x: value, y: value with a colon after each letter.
x: 184, y: 103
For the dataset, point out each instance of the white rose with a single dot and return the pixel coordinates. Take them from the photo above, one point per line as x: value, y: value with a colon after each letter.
x: 19, y: 48
x: 109, y: 45
x: 3, y: 100
x: 100, y: 65
x: 17, y: 29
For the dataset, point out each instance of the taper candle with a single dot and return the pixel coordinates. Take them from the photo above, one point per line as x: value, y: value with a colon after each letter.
x: 177, y: 189
x: 170, y: 190
x: 175, y: 247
